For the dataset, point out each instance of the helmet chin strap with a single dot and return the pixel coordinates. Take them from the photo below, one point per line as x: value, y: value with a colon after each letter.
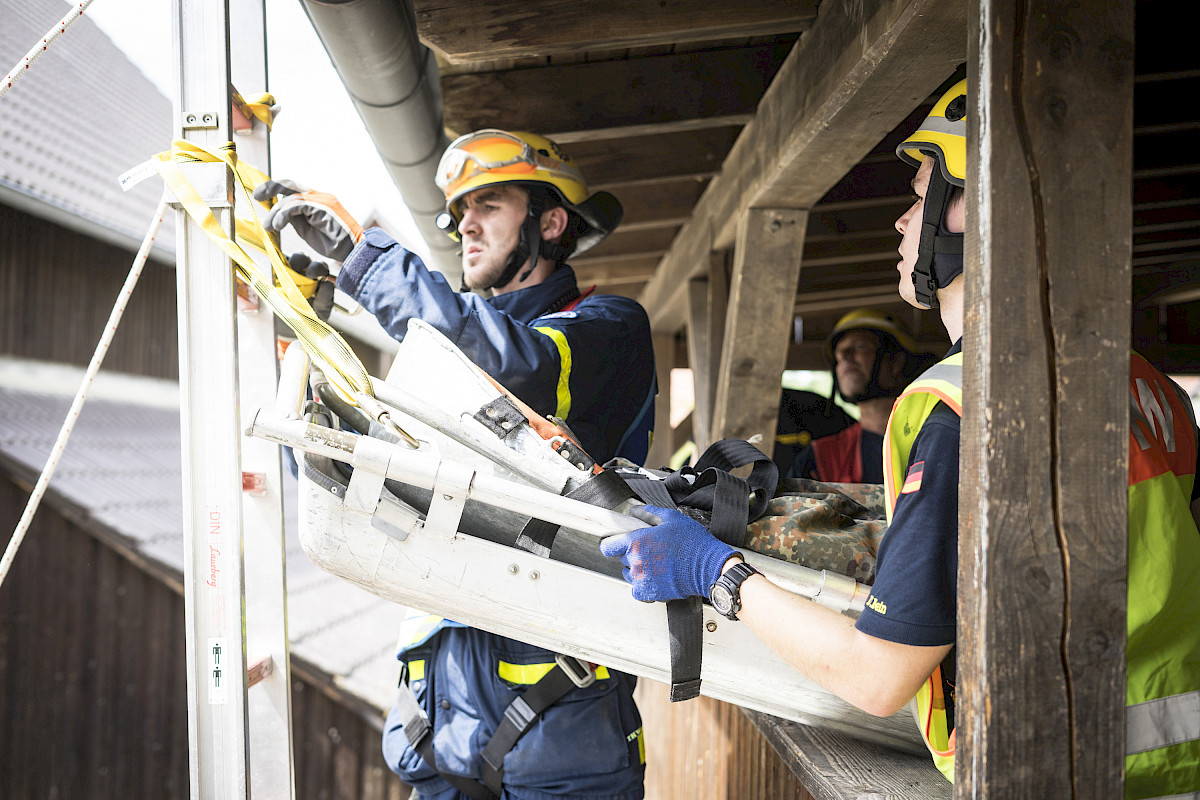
x: 524, y: 252
x: 940, y: 253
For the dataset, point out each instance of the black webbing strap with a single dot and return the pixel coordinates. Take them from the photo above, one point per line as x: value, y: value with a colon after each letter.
x: 606, y: 490
x: 685, y: 621
x: 419, y: 733
x: 525, y: 710
x: 732, y: 503
x: 925, y: 279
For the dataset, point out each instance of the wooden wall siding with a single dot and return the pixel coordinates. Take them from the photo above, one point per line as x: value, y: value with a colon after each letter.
x: 57, y: 288
x: 704, y: 748
x: 93, y: 696
x: 92, y: 679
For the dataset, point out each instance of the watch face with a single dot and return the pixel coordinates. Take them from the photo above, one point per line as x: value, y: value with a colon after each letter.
x: 721, y: 599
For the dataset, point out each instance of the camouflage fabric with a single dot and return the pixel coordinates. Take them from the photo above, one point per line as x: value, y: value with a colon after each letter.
x: 833, y: 526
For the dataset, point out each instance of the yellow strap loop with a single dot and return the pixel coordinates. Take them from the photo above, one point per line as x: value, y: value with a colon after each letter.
x: 345, y: 372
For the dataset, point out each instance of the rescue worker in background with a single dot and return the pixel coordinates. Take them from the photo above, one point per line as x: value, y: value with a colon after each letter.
x: 520, y: 208
x: 872, y: 356
x: 901, y: 647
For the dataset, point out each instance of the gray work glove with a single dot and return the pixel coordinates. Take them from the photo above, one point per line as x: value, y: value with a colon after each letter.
x: 317, y: 216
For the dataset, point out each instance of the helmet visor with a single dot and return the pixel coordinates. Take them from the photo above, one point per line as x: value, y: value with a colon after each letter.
x: 483, y: 151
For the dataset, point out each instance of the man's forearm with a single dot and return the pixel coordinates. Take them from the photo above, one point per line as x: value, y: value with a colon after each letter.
x: 873, y: 674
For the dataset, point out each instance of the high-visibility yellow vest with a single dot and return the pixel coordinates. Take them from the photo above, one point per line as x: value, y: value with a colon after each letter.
x: 1162, y: 689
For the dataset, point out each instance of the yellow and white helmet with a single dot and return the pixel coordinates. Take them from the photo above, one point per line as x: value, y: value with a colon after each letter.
x: 942, y: 134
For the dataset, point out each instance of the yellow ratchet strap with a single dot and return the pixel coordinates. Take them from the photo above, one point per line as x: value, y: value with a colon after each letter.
x: 259, y: 107
x: 326, y: 347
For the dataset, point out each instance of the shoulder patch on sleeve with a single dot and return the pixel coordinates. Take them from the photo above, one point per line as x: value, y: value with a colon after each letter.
x: 912, y: 482
x: 560, y: 315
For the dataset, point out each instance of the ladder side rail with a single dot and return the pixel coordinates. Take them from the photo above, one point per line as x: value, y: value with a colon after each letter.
x: 272, y: 772
x: 209, y: 417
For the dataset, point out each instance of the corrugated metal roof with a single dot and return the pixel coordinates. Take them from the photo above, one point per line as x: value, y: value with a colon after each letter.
x: 81, y: 116
x: 121, y: 470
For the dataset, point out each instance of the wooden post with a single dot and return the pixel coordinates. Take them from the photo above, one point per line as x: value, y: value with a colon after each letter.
x: 707, y: 299
x: 1041, y: 625
x: 663, y: 445
x: 758, y: 326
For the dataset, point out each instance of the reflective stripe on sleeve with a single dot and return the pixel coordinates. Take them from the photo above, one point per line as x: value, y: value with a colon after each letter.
x: 1162, y: 722
x: 563, y: 404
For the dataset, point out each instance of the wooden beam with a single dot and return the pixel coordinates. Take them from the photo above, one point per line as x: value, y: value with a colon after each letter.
x: 857, y: 73
x: 703, y: 371
x: 707, y: 301
x: 657, y: 93
x: 607, y: 271
x: 758, y: 325
x: 623, y: 242
x: 663, y: 444
x: 664, y: 204
x: 609, y: 163
x: 1042, y: 551
x: 483, y: 30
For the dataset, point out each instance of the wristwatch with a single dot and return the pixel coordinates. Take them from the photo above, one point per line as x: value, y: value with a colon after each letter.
x: 726, y: 594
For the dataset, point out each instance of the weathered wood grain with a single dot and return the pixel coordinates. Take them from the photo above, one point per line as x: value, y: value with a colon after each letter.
x: 485, y: 30
x: 1045, y: 430
x: 856, y: 74
x: 657, y: 94
x: 758, y: 325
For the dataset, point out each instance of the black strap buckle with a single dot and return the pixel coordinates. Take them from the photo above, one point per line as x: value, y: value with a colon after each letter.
x: 579, y: 672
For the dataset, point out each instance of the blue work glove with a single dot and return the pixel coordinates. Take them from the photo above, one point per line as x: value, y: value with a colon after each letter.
x: 322, y: 299
x: 674, y: 558
x: 317, y: 216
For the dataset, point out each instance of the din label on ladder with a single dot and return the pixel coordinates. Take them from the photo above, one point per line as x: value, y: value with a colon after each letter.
x: 218, y: 682
x: 216, y: 564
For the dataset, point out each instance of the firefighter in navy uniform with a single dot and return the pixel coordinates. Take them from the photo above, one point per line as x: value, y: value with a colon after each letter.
x: 872, y: 356
x: 520, y: 208
x: 901, y: 647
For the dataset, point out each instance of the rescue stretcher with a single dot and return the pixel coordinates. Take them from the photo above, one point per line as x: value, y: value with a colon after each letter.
x: 434, y: 527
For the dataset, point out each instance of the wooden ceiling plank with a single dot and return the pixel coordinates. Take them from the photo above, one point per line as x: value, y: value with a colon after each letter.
x: 651, y: 159
x: 856, y: 75
x: 648, y: 93
x: 483, y: 30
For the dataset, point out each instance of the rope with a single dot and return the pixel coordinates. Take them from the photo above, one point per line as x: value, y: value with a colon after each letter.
x: 33, y: 55
x: 114, y: 319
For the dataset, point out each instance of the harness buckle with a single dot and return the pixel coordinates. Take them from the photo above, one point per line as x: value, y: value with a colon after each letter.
x: 579, y: 672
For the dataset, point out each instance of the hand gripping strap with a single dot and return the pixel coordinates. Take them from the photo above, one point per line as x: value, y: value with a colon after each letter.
x: 733, y: 502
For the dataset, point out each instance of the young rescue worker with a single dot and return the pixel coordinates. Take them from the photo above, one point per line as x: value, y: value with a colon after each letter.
x: 901, y: 647
x: 520, y: 208
x: 872, y: 356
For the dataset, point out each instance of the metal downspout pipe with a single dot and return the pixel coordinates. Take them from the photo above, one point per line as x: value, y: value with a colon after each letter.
x: 393, y: 81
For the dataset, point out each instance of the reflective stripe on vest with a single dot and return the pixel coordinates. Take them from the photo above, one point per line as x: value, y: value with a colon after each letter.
x: 1163, y: 602
x: 940, y: 383
x: 1162, y: 687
